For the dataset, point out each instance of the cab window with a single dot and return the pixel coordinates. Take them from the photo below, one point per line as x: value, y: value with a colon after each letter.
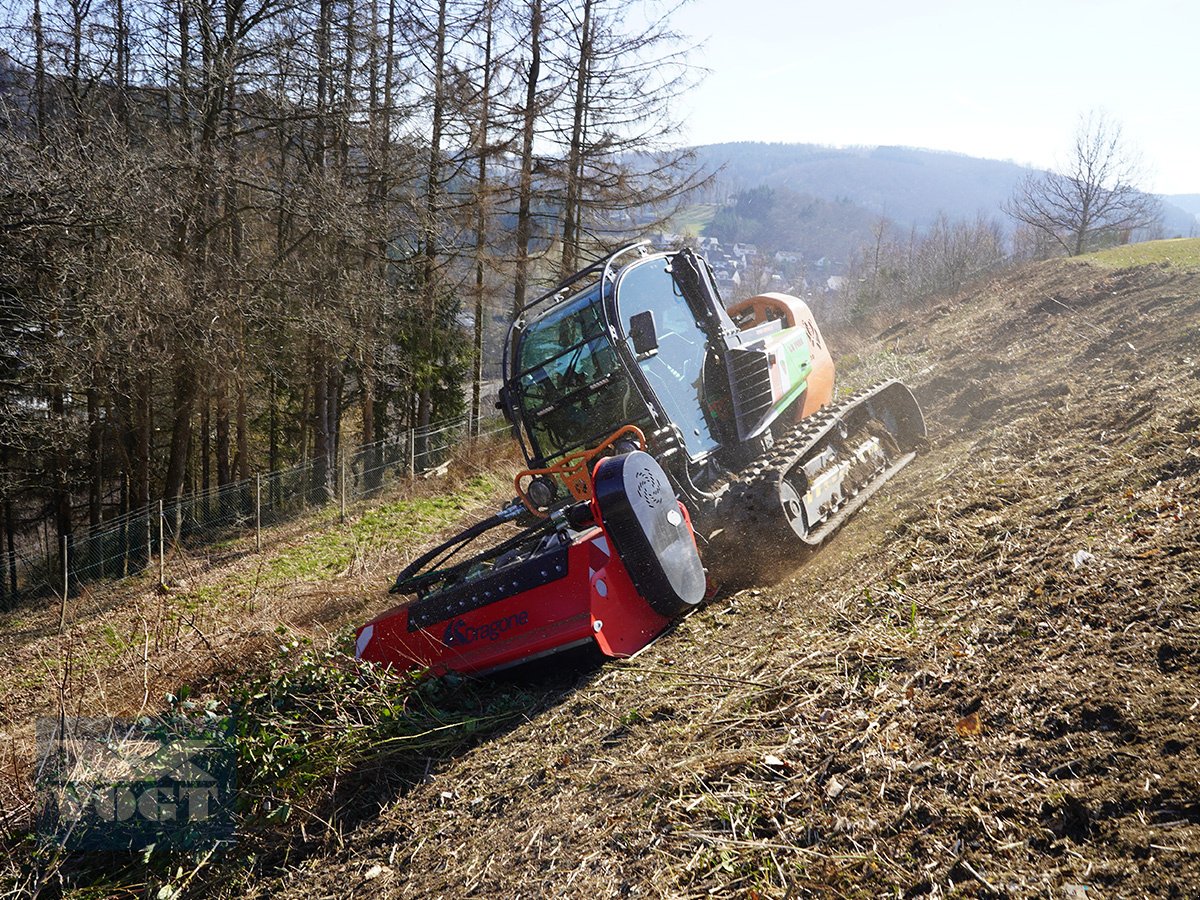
x: 572, y: 389
x: 675, y: 370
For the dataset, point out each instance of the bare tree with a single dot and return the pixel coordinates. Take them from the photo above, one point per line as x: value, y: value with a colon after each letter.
x: 226, y: 225
x: 530, y: 112
x: 1095, y: 200
x: 619, y: 171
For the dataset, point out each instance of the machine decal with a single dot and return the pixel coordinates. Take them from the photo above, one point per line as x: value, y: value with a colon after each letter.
x: 364, y: 638
x: 459, y: 633
x: 649, y: 488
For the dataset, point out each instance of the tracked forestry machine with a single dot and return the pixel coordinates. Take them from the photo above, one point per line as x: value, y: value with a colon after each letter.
x: 664, y: 433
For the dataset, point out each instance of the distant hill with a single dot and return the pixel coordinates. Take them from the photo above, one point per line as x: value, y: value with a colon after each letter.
x: 908, y: 186
x: 777, y: 218
x: 1188, y: 202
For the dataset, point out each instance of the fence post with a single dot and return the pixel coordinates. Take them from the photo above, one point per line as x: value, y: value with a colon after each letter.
x: 412, y: 452
x: 162, y: 549
x: 66, y: 584
x: 258, y: 512
x: 149, y: 539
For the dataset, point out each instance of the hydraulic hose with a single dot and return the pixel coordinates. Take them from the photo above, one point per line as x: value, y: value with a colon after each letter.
x: 409, y: 580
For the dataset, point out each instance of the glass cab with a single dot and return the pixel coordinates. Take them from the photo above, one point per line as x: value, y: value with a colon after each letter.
x: 578, y: 376
x: 573, y: 390
x: 675, y: 369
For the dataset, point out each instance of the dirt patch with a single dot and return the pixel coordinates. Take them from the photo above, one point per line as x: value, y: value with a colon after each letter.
x: 986, y: 685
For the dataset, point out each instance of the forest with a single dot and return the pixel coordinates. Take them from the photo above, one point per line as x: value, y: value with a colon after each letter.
x: 236, y: 234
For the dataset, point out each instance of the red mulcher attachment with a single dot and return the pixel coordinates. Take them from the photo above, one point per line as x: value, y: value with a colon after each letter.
x: 614, y: 569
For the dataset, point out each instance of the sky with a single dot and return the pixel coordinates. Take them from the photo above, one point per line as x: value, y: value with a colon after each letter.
x: 1007, y: 79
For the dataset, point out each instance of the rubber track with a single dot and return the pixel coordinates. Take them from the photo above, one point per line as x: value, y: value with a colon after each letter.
x: 757, y: 540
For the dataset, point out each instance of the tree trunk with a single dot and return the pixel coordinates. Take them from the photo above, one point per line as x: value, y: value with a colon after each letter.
x: 222, y: 404
x: 333, y: 428
x: 571, y: 209
x: 369, y: 452
x: 144, y: 425
x: 139, y: 487
x: 8, y: 569
x: 1085, y: 224
x: 205, y: 445
x: 243, y: 434
x: 432, y: 225
x: 95, y: 458
x: 60, y: 466
x: 320, y: 422
x: 305, y: 417
x: 481, y: 220
x: 122, y: 73
x: 39, y: 72
x: 181, y: 434
x: 10, y: 537
x: 525, y: 185
x: 272, y: 428
x: 121, y: 566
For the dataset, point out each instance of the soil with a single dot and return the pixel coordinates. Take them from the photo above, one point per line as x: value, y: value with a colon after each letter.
x: 986, y: 685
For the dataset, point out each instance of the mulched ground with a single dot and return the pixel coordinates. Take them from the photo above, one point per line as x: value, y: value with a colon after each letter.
x: 985, y: 686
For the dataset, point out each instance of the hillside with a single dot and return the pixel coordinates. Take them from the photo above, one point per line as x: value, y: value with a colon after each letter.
x: 1188, y: 202
x: 909, y: 186
x: 985, y: 686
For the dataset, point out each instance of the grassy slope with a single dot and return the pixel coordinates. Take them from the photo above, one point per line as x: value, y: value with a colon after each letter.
x: 1181, y: 252
x: 939, y: 698
x: 949, y: 699
x: 127, y: 645
x: 693, y: 219
x: 246, y: 596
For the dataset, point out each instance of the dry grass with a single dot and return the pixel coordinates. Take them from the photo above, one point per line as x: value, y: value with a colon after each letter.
x: 948, y: 701
x: 985, y: 686
x: 228, y: 615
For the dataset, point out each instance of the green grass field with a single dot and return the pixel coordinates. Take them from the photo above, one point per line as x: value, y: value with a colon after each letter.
x: 1180, y: 252
x: 692, y: 219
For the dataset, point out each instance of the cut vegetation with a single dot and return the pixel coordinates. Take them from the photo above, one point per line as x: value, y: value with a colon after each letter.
x: 985, y: 686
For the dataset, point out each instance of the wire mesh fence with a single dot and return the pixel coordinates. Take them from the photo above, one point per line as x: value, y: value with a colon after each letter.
x: 141, y: 540
x: 28, y: 577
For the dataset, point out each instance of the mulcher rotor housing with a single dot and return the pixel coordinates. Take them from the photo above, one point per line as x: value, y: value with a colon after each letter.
x: 673, y: 444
